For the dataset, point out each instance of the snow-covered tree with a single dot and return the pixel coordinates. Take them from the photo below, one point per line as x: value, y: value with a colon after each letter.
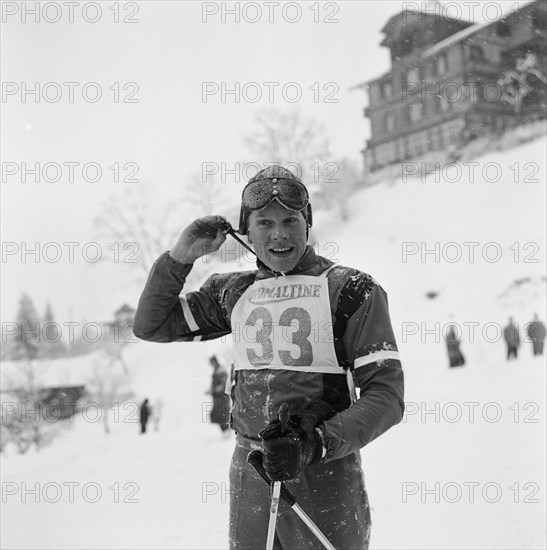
x: 28, y: 341
x: 25, y: 419
x: 53, y: 346
x: 521, y: 82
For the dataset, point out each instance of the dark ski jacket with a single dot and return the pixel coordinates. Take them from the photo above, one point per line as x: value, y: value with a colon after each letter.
x: 363, y: 340
x: 144, y: 412
x: 536, y: 331
x: 511, y: 335
x: 218, y: 382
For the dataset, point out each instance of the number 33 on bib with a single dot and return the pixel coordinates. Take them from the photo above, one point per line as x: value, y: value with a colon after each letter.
x: 285, y: 323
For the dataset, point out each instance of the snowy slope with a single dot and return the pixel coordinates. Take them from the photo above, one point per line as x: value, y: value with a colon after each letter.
x: 181, y: 471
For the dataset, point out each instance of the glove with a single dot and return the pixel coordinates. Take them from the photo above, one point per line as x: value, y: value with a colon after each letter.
x: 208, y: 226
x: 286, y: 454
x: 203, y: 236
x: 315, y: 414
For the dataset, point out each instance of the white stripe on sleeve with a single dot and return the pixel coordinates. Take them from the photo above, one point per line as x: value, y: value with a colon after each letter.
x: 376, y: 356
x: 189, y: 317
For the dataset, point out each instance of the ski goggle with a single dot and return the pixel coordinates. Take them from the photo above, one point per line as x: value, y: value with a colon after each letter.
x: 290, y: 193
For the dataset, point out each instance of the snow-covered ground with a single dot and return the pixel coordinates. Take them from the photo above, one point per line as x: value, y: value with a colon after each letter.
x: 466, y: 468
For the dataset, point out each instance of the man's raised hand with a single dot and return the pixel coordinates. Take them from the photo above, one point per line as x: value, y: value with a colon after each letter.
x: 203, y: 236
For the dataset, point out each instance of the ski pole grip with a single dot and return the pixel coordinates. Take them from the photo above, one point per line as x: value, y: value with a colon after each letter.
x: 284, y: 415
x: 254, y: 458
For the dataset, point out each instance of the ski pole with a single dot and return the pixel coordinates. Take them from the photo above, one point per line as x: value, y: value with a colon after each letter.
x: 254, y: 458
x: 273, y: 515
x: 284, y: 417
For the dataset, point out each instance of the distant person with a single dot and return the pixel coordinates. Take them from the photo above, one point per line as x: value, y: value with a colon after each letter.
x: 144, y: 414
x: 512, y: 339
x: 221, y: 401
x: 536, y: 333
x: 455, y: 356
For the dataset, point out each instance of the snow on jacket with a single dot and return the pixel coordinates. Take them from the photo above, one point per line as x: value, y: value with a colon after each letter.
x: 363, y: 341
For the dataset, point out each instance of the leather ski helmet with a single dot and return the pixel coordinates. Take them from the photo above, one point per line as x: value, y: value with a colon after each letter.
x: 274, y: 183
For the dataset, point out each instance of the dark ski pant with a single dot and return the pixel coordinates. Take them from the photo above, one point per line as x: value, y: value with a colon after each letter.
x: 455, y: 357
x: 221, y: 411
x: 511, y: 352
x: 333, y: 495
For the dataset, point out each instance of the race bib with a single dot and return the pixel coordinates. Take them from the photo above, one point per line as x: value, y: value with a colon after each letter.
x: 285, y: 323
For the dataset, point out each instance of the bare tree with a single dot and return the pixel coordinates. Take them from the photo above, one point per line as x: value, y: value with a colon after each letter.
x: 107, y: 387
x: 25, y: 420
x: 141, y: 225
x: 115, y: 340
x: 339, y: 182
x: 289, y: 138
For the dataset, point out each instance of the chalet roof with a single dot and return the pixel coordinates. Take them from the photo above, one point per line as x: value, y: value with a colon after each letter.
x: 124, y: 309
x: 423, y: 13
x: 450, y: 40
x: 364, y: 85
x: 454, y: 38
x: 469, y: 31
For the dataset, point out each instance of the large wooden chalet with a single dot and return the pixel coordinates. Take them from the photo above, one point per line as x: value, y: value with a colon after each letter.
x: 442, y: 88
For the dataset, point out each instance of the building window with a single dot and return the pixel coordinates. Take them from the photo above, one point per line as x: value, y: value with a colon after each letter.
x: 447, y: 135
x: 442, y: 64
x: 415, y: 112
x: 413, y: 75
x: 476, y: 53
x: 437, y: 143
x: 389, y: 122
x: 406, y: 149
x: 452, y: 132
x: 475, y: 91
x: 503, y: 29
x: 422, y: 143
x: 386, y: 90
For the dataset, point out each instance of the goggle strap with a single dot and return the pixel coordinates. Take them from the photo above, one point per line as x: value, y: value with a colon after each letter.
x: 233, y: 233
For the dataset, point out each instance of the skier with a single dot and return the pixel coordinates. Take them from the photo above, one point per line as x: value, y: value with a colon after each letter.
x: 455, y: 356
x: 302, y: 328
x: 536, y: 333
x: 221, y: 401
x: 144, y: 413
x: 512, y: 339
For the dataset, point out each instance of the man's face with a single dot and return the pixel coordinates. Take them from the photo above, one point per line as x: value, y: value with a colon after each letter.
x: 278, y: 235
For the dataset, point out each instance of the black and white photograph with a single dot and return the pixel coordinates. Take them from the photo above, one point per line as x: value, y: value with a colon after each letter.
x: 273, y: 275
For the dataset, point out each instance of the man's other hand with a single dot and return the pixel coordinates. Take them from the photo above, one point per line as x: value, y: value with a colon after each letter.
x: 203, y: 236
